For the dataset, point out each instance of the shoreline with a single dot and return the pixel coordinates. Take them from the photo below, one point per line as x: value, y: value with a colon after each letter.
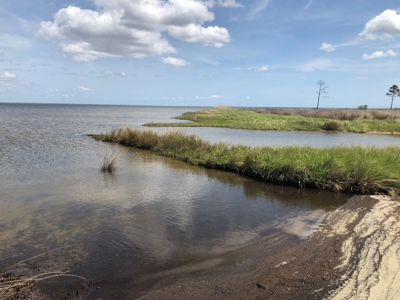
x: 354, y: 121
x: 349, y: 169
x: 354, y: 253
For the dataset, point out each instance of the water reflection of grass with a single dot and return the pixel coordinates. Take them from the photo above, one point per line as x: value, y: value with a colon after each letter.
x: 352, y: 169
x: 359, y: 121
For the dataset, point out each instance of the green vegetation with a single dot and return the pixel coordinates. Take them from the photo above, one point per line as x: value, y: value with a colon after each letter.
x: 356, y: 169
x: 355, y: 120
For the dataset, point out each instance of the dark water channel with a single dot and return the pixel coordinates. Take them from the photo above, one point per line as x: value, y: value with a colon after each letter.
x: 153, y: 215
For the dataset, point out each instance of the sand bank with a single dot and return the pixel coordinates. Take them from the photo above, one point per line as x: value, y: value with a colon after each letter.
x: 355, y: 254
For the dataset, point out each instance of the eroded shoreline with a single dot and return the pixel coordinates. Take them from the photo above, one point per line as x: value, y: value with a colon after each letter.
x: 355, y: 254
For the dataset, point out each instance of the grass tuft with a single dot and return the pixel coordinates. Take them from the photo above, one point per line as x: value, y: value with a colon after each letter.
x: 331, y: 126
x: 109, y: 163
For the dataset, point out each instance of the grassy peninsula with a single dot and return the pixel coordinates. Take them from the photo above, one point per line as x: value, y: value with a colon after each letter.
x: 355, y: 169
x: 348, y: 120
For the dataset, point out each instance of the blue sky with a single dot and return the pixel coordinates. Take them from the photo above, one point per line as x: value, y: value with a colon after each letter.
x: 264, y: 53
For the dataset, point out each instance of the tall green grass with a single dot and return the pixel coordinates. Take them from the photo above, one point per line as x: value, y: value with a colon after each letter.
x: 351, y: 169
x: 287, y: 120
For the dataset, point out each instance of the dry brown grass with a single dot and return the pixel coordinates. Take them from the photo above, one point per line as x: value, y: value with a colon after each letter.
x: 337, y: 114
x: 14, y: 286
x: 109, y: 163
x: 222, y: 107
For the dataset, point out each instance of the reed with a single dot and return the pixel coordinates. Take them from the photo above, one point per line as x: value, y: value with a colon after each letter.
x: 359, y: 121
x: 109, y: 163
x: 351, y: 169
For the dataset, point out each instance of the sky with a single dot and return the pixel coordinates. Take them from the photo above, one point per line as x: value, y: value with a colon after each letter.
x: 261, y: 53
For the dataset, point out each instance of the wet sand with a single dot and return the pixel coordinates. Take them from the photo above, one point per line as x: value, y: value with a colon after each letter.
x: 355, y: 254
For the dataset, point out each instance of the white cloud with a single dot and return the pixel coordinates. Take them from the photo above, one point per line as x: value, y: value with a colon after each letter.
x: 83, y: 89
x: 176, y: 62
x: 257, y: 8
x: 8, y: 75
x: 229, y: 3
x: 385, y: 25
x: 212, y: 35
x: 379, y: 54
x: 133, y: 28
x: 327, y: 47
x: 67, y: 95
x: 217, y: 96
x: 8, y: 81
x: 110, y: 73
x: 262, y: 69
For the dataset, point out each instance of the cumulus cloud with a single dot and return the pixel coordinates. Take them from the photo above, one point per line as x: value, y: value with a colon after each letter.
x: 133, y: 28
x: 379, y: 54
x: 67, y: 95
x: 327, y: 47
x: 212, y: 35
x: 385, y: 25
x: 176, y: 62
x: 8, y: 75
x: 229, y: 3
x: 216, y: 96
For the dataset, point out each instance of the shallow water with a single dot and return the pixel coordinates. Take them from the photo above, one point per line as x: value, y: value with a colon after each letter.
x: 152, y: 215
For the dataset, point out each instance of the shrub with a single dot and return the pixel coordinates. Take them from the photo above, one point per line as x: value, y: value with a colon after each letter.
x: 331, y: 126
x: 363, y: 107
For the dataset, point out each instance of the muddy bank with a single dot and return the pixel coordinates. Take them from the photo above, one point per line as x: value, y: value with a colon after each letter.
x: 355, y: 254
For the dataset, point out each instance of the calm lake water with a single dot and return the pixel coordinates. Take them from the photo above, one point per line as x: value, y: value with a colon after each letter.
x: 154, y: 215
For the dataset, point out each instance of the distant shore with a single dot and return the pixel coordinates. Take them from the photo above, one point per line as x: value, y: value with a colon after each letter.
x: 341, y: 120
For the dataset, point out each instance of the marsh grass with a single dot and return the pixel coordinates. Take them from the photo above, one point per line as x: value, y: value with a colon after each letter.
x: 109, y: 163
x: 351, y: 169
x: 359, y: 121
x: 331, y: 126
x: 337, y: 114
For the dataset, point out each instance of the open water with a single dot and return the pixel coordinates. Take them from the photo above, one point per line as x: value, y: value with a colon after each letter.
x: 154, y: 215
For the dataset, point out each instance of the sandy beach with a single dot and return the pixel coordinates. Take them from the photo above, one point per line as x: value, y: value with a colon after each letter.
x: 354, y: 254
